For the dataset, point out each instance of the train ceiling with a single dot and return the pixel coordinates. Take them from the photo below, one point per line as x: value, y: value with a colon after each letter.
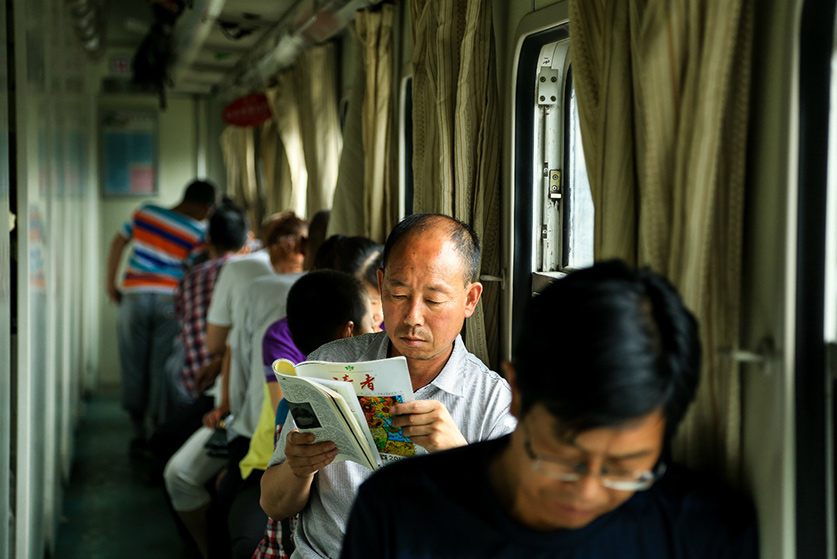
x: 229, y: 47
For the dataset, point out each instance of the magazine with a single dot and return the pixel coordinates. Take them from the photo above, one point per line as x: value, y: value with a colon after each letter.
x: 348, y: 403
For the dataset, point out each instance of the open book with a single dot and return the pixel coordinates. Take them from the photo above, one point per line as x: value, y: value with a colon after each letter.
x: 348, y: 403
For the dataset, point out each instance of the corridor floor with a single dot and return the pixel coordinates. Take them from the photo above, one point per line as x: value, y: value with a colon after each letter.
x: 112, y: 508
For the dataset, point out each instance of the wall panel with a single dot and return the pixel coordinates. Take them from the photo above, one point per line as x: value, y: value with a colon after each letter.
x: 5, y: 300
x: 54, y: 127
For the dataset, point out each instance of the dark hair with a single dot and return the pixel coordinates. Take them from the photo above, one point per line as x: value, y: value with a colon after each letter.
x: 228, y: 226
x: 317, y: 229
x: 287, y: 227
x: 605, y: 345
x: 324, y: 257
x: 320, y: 303
x: 369, y: 273
x: 465, y: 240
x: 200, y: 192
x: 347, y: 254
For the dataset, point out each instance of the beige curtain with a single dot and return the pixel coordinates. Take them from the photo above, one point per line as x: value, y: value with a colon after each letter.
x: 239, y: 151
x: 277, y: 183
x: 316, y: 100
x: 374, y: 30
x: 348, y: 212
x: 289, y: 191
x: 456, y: 133
x: 663, y: 93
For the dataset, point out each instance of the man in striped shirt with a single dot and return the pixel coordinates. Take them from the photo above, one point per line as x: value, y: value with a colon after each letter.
x: 164, y: 240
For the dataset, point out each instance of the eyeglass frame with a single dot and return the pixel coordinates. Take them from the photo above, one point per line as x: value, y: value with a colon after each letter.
x: 645, y: 480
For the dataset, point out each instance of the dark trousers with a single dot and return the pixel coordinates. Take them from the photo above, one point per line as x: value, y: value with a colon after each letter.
x: 169, y: 436
x: 219, y: 508
x: 247, y: 520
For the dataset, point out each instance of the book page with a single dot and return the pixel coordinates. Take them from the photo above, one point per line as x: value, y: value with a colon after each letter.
x: 378, y: 384
x: 319, y: 410
x: 348, y: 393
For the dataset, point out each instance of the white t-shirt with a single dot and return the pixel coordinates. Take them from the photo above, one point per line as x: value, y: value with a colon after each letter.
x: 226, y: 306
x: 264, y: 302
x: 231, y: 285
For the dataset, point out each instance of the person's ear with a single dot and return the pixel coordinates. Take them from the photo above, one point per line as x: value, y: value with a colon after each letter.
x: 511, y: 376
x: 381, y: 281
x: 472, y: 297
x: 348, y: 330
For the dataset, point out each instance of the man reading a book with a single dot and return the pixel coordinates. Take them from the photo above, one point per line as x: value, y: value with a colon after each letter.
x: 605, y: 367
x: 428, y: 285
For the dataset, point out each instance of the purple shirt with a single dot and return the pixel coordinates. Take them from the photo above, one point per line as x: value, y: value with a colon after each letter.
x: 277, y: 344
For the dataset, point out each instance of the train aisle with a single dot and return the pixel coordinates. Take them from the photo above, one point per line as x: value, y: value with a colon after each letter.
x: 112, y: 507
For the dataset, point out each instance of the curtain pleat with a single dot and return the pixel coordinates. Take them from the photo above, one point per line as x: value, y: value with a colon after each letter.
x: 602, y: 77
x: 366, y: 194
x: 276, y: 176
x: 663, y: 91
x: 314, y: 77
x: 456, y: 134
x: 374, y: 31
x: 348, y: 212
x: 293, y: 185
x: 239, y: 151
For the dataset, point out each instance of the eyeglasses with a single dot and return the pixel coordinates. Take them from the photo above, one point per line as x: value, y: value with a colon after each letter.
x: 564, y: 470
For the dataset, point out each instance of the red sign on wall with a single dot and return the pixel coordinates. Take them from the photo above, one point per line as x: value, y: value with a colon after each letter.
x: 249, y: 110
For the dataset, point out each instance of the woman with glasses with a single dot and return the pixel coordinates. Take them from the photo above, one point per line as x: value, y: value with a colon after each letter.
x: 598, y: 395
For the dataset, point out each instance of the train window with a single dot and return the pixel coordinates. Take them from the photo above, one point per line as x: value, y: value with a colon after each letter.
x: 563, y: 205
x: 578, y: 200
x: 551, y: 215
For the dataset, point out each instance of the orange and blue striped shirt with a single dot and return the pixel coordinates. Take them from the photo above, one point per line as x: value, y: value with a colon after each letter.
x: 164, y: 241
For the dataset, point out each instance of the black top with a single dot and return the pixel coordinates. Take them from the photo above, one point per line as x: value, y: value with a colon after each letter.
x: 442, y: 505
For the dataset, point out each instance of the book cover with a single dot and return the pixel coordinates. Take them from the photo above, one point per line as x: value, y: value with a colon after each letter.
x: 356, y: 414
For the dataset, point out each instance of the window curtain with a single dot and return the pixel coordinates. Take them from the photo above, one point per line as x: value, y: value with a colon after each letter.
x: 374, y: 29
x: 276, y: 180
x: 322, y: 141
x: 290, y: 188
x: 348, y: 212
x: 663, y: 92
x: 456, y: 150
x: 365, y: 201
x: 239, y: 151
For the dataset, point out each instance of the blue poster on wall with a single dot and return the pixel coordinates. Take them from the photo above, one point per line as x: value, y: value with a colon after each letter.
x: 129, y: 140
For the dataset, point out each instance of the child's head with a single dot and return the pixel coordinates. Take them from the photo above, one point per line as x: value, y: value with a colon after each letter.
x: 360, y: 257
x: 326, y: 305
x: 369, y: 275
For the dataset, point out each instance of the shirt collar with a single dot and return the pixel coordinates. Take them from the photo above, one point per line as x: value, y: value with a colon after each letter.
x: 451, y: 377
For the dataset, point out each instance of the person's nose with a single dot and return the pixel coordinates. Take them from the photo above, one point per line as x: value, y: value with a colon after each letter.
x: 589, y: 488
x: 414, y: 317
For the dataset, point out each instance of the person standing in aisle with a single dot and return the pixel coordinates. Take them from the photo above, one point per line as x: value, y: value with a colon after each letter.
x: 164, y: 239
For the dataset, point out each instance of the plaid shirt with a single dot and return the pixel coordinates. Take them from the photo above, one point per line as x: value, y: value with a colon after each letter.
x: 271, y: 546
x: 191, y: 303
